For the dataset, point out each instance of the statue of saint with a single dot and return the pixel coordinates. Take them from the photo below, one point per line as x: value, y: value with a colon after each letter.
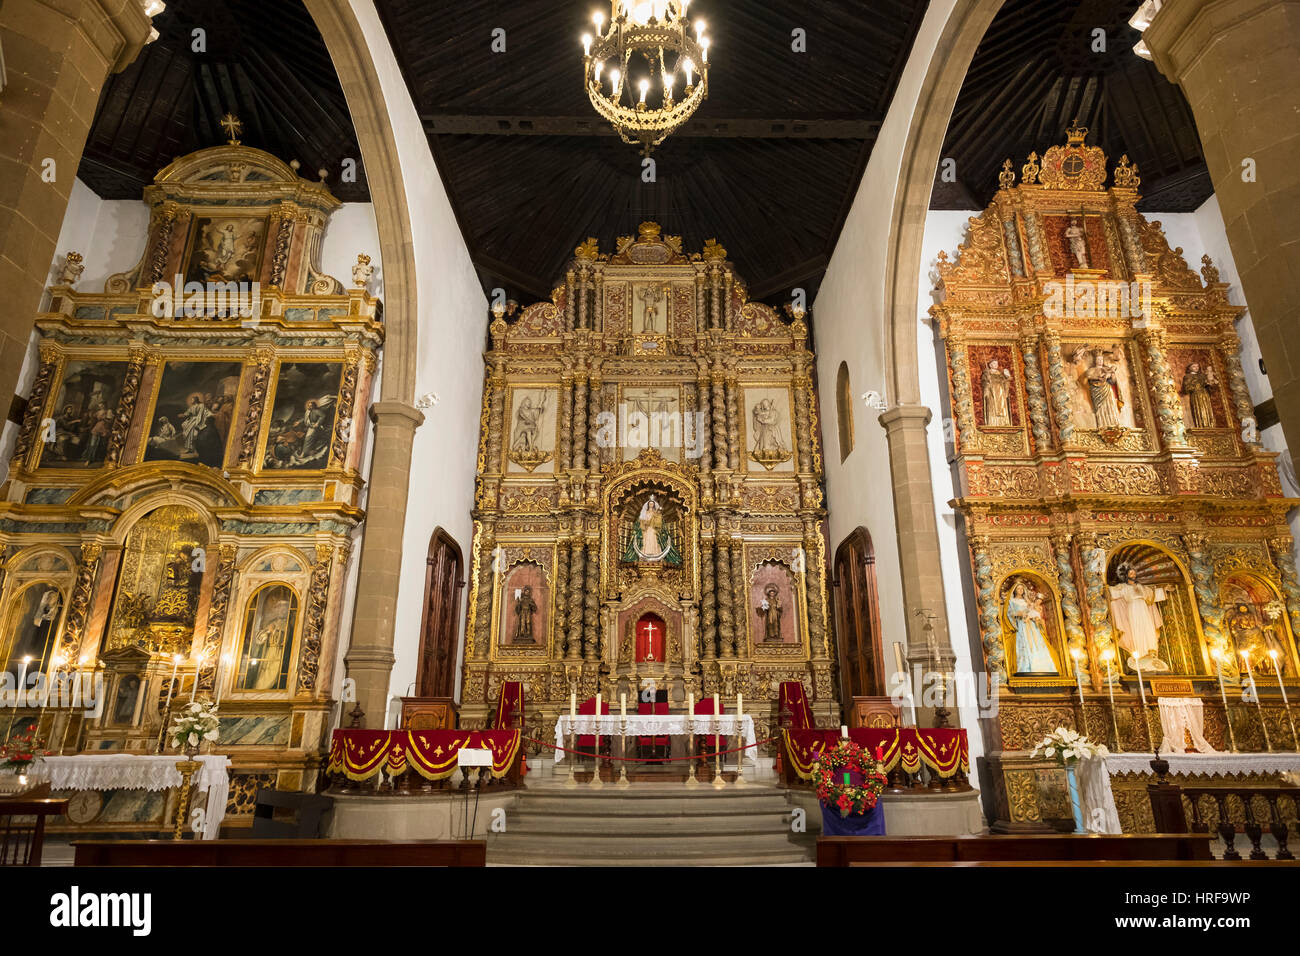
x: 770, y: 611
x: 1133, y: 609
x: 996, y: 384
x: 1196, y: 386
x: 1025, y: 612
x: 528, y: 423
x: 1103, y: 391
x: 525, y: 608
x: 176, y: 602
x: 767, y: 428
x: 649, y: 540
x: 1077, y: 236
x: 1249, y: 635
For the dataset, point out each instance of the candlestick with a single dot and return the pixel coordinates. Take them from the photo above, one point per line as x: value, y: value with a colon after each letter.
x: 622, y: 705
x: 1285, y: 702
x: 1107, y: 656
x: 222, y: 663
x: 596, y: 782
x: 573, y: 704
x: 690, y: 703
x: 844, y: 731
x: 167, y: 707
x: 194, y: 684
x: 740, y: 740
x: 1078, y: 679
x: 718, y: 782
x: 1227, y: 714
x: 1254, y: 689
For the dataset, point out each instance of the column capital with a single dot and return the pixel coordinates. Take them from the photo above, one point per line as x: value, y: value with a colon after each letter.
x: 1181, y: 31
x: 396, y: 414
x: 904, y: 416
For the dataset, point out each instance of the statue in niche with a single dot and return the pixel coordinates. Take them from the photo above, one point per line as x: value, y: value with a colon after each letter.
x: 176, y: 602
x: 1077, y: 236
x: 1102, y: 379
x: 528, y: 421
x: 1248, y: 634
x: 770, y: 611
x: 525, y: 608
x: 1197, y: 383
x: 1138, y: 620
x: 996, y: 384
x: 1025, y: 612
x: 652, y: 300
x: 651, y: 538
x: 770, y: 447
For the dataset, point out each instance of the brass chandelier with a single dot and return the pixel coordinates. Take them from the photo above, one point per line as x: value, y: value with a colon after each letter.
x: 634, y: 70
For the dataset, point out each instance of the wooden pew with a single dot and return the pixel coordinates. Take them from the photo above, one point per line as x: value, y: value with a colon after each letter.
x: 993, y: 848
x: 279, y: 853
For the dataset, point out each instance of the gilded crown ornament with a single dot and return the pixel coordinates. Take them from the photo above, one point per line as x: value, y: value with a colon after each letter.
x: 1029, y: 171
x: 669, y: 57
x: 1126, y: 175
x: 1007, y: 177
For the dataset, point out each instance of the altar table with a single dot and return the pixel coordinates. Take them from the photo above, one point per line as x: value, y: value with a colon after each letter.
x: 657, y: 725
x: 1215, y: 764
x: 140, y: 772
x: 944, y: 750
x: 360, y: 754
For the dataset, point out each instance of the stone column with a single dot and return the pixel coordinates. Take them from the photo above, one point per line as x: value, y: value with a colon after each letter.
x: 1206, y: 589
x: 918, y: 534
x: 370, y: 657
x: 1169, y: 409
x: 1064, y: 413
x: 1097, y: 598
x: 1236, y: 62
x: 987, y: 605
x: 1035, y: 395
x: 57, y: 57
x: 1074, y: 635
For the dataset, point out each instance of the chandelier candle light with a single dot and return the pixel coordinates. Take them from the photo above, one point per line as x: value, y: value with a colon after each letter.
x: 654, y: 40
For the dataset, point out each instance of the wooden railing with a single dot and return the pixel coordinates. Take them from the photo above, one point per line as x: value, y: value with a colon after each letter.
x: 22, y: 827
x: 279, y: 853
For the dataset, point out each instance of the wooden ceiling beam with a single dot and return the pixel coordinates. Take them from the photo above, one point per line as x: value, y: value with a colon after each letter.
x: 452, y: 124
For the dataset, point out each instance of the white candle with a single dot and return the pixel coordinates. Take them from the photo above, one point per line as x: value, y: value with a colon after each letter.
x: 194, y: 684
x: 690, y: 702
x: 844, y: 731
x: 597, y: 707
x: 622, y: 705
x: 573, y: 705
x: 716, y: 711
x: 740, y: 704
x: 1280, y: 686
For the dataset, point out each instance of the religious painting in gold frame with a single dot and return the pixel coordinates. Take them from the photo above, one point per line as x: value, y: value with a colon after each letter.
x: 1033, y: 631
x: 268, y: 640
x: 303, y: 419
x: 191, y: 415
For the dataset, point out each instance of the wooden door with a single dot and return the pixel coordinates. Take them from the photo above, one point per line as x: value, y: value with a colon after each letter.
x: 857, y: 617
x: 443, y: 580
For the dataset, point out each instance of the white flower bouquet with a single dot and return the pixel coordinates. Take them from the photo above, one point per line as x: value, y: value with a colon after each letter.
x: 196, y: 722
x: 1067, y: 747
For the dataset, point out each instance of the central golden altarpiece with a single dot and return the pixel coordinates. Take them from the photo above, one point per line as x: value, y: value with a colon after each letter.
x: 649, y: 504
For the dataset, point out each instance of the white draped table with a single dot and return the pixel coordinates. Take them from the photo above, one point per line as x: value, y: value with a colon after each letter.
x: 1215, y: 764
x: 656, y: 725
x: 139, y: 772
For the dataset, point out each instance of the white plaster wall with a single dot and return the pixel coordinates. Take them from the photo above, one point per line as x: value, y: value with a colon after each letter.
x: 352, y: 230
x: 452, y: 333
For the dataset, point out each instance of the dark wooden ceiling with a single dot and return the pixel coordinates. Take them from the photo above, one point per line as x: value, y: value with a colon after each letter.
x: 1036, y: 71
x: 769, y: 165
x: 264, y: 61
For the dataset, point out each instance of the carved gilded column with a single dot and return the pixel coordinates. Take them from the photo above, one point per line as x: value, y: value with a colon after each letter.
x: 1282, y: 547
x: 569, y: 303
x: 218, y: 608
x: 1033, y: 239
x: 729, y: 320
x: 591, y: 598
x: 1206, y: 590
x: 74, y: 622
x: 715, y: 294
x: 564, y: 453
x: 1074, y: 635
x: 483, y: 595
x: 701, y: 308
x: 803, y: 404
x: 593, y: 417
x: 284, y: 214
x: 986, y: 601
x: 598, y: 324
x: 164, y: 222
x: 708, y: 583
x: 1097, y: 597
x: 577, y: 581
x: 1245, y: 409
x: 725, y: 589
x: 347, y: 402
x: 733, y: 423
x: 30, y: 433
x: 1060, y: 391
x: 705, y: 418
x: 579, y: 443
x: 317, y: 602
x: 559, y: 598
x: 125, y: 406
x: 818, y: 636
x: 582, y: 298
x: 1169, y: 409
x: 259, y: 383
x: 739, y: 591
x: 963, y: 404
x: 1035, y: 395
x: 719, y: 422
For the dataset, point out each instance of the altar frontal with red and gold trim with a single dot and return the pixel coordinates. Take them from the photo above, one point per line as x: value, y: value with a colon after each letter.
x: 943, y: 750
x: 360, y: 754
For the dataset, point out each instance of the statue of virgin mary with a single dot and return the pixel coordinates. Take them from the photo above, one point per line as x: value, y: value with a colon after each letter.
x: 649, y: 540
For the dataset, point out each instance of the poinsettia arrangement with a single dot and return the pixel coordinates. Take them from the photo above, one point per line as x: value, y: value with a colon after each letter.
x: 195, y: 722
x: 848, y: 778
x: 20, y: 751
x: 1067, y: 747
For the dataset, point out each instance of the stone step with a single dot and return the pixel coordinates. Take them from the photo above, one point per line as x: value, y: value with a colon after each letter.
x: 651, y: 827
x: 555, y: 849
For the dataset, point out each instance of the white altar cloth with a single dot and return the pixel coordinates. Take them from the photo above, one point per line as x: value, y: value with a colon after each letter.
x: 1179, y: 715
x: 656, y: 725
x: 140, y: 772
x: 1216, y: 764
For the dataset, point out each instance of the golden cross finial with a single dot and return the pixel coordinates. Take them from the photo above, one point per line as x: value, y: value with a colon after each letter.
x: 233, y: 127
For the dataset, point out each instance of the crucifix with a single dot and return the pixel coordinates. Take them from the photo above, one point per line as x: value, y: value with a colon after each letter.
x: 233, y: 127
x: 649, y: 639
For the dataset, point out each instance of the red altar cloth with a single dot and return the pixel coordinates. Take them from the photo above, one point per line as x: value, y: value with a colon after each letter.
x: 360, y: 754
x: 944, y: 750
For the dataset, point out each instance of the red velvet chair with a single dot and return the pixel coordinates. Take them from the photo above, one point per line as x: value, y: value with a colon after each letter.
x: 587, y: 741
x: 657, y: 746
x: 793, y: 699
x: 704, y: 743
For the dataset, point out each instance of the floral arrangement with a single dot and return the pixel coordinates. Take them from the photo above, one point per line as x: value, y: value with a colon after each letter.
x: 1067, y: 747
x: 848, y: 778
x: 19, y: 752
x: 194, y: 723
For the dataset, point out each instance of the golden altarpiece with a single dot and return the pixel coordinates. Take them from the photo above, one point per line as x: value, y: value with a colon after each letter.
x: 183, y: 497
x: 1105, y: 451
x: 649, y: 504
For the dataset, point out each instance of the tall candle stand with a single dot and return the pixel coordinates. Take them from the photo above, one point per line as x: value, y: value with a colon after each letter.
x: 596, y: 782
x: 1223, y: 693
x: 1285, y: 700
x: 1146, y: 717
x: 623, y: 783
x: 691, y: 780
x: 1107, y: 656
x: 572, y: 781
x: 1078, y: 680
x: 718, y: 782
x: 740, y: 744
x: 1254, y: 692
